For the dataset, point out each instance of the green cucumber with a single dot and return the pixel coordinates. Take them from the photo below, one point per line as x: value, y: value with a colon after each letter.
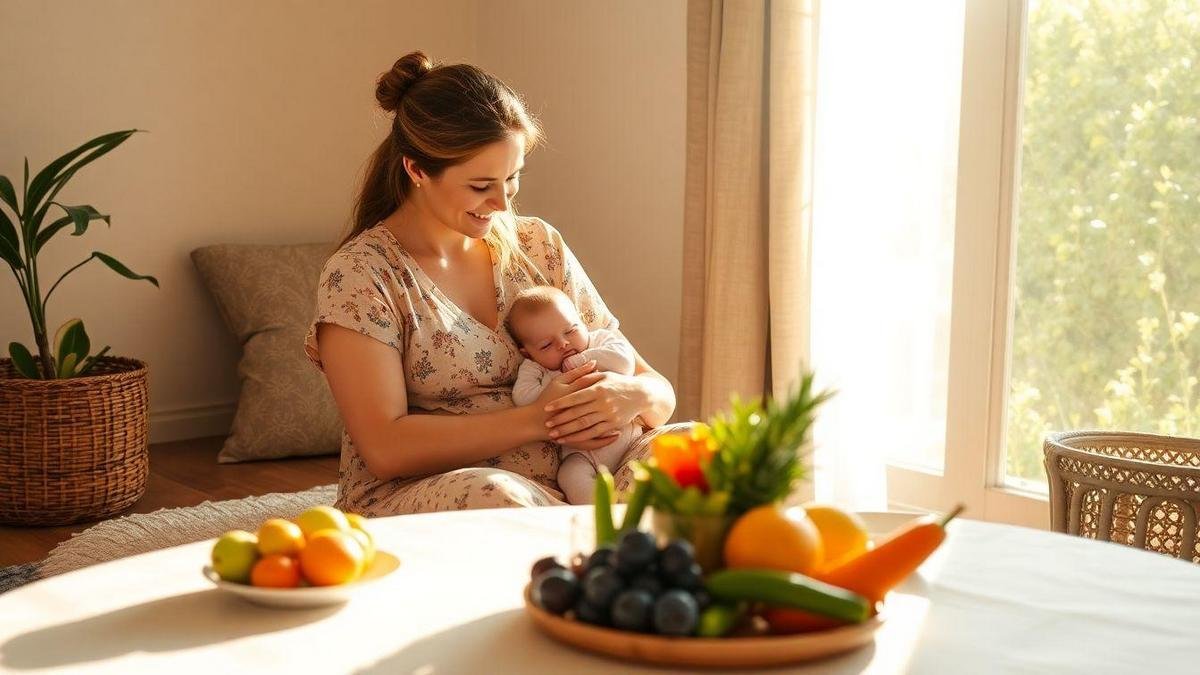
x: 720, y: 618
x: 637, y: 505
x: 788, y: 589
x: 605, y: 532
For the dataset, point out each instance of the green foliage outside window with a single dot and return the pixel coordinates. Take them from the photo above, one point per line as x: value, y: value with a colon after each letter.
x: 1108, y: 255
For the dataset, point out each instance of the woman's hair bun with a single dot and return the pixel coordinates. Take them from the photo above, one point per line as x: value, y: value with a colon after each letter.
x: 392, y: 84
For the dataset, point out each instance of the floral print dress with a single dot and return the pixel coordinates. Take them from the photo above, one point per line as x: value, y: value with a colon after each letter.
x: 453, y: 364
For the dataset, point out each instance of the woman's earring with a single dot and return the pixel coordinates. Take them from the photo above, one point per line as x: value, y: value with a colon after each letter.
x: 418, y: 185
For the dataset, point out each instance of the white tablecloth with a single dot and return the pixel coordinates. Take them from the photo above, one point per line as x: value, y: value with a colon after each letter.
x: 995, y: 598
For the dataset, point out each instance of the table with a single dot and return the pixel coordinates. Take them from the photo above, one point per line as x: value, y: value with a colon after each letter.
x: 995, y: 598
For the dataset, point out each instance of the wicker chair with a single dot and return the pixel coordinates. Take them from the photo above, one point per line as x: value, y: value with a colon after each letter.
x: 1141, y: 490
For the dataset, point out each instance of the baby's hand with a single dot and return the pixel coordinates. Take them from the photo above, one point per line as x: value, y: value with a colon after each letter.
x: 573, y: 361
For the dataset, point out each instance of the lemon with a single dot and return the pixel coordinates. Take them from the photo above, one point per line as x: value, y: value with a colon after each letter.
x: 843, y: 534
x: 322, y: 518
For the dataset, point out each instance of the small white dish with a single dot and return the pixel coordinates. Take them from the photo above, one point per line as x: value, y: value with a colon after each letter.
x: 882, y: 523
x: 308, y: 596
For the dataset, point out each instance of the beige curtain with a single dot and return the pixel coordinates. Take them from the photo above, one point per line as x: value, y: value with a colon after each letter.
x: 745, y: 325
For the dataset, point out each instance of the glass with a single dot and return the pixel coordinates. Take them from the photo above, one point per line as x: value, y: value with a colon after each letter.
x: 1107, y: 290
x: 885, y: 176
x: 706, y: 534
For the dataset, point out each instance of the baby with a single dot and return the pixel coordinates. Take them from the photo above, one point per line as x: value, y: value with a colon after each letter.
x: 546, y: 326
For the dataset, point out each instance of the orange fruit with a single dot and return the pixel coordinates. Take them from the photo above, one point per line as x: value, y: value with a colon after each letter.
x: 843, y: 534
x: 332, y: 557
x: 276, y: 571
x: 769, y: 537
x: 280, y: 536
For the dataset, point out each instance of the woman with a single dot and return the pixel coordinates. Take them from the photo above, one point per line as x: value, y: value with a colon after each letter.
x: 409, y: 327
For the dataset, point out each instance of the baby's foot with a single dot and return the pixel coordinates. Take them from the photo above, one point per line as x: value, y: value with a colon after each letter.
x: 573, y: 361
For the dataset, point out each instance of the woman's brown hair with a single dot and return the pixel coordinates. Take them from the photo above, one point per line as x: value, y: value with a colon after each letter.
x: 442, y: 116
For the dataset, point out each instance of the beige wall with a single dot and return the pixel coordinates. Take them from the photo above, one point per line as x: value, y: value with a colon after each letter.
x: 261, y: 116
x: 608, y: 81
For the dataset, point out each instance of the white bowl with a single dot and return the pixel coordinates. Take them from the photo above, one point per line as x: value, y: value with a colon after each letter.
x: 308, y: 596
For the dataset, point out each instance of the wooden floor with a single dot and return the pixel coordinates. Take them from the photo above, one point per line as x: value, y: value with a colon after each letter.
x: 183, y: 473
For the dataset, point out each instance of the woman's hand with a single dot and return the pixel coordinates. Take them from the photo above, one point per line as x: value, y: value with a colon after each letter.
x: 569, y: 382
x: 596, y: 413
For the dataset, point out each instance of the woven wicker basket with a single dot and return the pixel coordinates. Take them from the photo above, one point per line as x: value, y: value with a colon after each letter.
x: 1141, y: 490
x: 74, y: 449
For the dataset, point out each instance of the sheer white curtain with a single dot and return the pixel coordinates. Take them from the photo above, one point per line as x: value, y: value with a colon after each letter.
x: 886, y: 148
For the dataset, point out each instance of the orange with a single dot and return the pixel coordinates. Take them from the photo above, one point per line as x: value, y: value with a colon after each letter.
x: 843, y: 534
x: 332, y: 557
x: 769, y: 537
x: 280, y: 536
x: 276, y: 571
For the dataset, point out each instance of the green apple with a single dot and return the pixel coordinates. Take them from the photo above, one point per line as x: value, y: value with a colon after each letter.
x: 322, y: 518
x: 234, y: 555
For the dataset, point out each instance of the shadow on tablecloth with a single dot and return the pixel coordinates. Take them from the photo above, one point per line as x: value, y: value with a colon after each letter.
x: 171, y: 624
x: 509, y: 642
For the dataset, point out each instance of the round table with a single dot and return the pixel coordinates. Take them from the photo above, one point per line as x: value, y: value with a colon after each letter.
x: 995, y: 598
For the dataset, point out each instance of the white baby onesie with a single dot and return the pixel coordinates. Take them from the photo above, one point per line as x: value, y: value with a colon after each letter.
x: 577, y: 472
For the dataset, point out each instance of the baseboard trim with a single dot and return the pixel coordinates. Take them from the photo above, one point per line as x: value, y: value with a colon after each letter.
x: 196, y: 421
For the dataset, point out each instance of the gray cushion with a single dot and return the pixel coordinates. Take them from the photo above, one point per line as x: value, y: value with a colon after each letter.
x: 267, y: 296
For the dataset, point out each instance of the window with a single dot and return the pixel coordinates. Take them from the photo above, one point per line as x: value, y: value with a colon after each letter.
x: 1107, y: 226
x: 1043, y: 279
x: 886, y: 158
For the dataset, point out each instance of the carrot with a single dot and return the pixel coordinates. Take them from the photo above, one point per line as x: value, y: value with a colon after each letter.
x: 873, y: 573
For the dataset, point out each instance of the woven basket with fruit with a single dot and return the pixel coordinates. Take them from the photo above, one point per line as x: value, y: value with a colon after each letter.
x: 723, y: 557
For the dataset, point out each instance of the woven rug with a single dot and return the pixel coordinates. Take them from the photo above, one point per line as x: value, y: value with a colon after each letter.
x: 144, y: 532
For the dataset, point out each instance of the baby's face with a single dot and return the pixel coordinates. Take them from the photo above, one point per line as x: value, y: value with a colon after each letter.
x: 551, y: 334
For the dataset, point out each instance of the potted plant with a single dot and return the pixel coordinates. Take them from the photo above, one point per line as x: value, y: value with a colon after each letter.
x: 697, y: 484
x: 73, y: 424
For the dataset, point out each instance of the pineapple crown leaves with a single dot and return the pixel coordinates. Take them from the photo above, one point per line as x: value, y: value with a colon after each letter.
x: 760, y: 447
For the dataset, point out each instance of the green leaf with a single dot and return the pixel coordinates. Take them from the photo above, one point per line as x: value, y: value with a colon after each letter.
x: 605, y: 530
x: 54, y: 172
x: 664, y: 490
x: 10, y: 246
x: 9, y: 195
x: 25, y: 187
x: 49, y: 231
x: 689, y: 502
x: 23, y: 361
x: 80, y: 216
x: 91, y: 361
x: 71, y: 343
x: 118, y: 267
x: 636, y: 503
x: 66, y: 367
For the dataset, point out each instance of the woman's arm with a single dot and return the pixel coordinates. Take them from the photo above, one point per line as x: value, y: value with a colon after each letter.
x: 367, y: 381
x: 611, y: 403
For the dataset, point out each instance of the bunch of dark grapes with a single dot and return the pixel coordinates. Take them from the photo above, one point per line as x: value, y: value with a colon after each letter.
x: 632, y: 586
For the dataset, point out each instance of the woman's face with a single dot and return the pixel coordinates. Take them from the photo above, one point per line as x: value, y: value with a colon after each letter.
x: 465, y: 197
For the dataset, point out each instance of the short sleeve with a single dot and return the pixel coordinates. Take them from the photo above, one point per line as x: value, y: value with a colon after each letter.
x: 567, y: 273
x: 353, y: 293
